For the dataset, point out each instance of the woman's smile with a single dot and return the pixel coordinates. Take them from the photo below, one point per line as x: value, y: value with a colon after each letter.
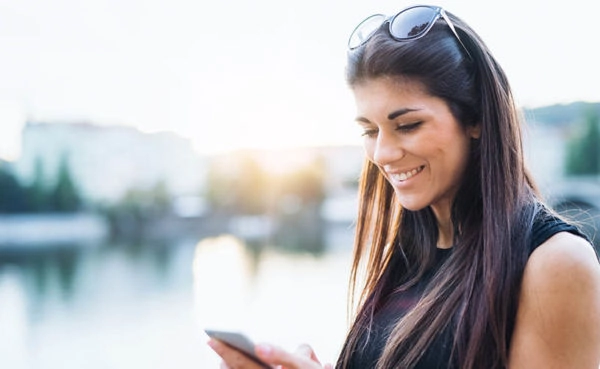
x: 415, y: 140
x: 404, y: 177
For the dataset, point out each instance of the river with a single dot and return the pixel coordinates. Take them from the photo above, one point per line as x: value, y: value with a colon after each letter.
x: 144, y: 304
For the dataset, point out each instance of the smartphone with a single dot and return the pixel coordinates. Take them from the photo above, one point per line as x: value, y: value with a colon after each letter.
x: 239, y: 341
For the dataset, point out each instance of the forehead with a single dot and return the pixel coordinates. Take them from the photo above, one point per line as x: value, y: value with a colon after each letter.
x: 396, y: 83
x: 378, y: 95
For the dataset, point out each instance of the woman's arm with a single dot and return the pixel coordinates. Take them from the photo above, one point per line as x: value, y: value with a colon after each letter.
x: 558, y: 319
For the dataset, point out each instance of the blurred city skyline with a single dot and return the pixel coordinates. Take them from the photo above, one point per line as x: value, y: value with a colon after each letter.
x: 261, y: 74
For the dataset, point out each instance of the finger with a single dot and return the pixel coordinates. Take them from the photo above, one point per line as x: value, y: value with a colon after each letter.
x: 306, y: 351
x: 277, y: 356
x: 232, y: 358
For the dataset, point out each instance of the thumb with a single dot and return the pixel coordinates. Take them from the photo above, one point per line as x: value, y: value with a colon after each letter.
x: 277, y: 356
x: 307, y: 351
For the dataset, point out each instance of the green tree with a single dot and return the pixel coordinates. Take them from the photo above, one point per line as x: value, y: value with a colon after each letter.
x: 139, y: 209
x: 583, y: 151
x: 297, y: 206
x: 306, y: 183
x: 160, y: 197
x: 238, y: 185
x: 251, y: 187
x: 13, y: 197
x: 64, y: 195
x: 37, y: 192
x: 219, y: 187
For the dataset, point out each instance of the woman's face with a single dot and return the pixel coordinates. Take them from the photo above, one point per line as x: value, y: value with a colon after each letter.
x: 415, y: 141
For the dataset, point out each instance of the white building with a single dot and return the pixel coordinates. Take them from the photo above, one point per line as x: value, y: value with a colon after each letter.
x: 106, y: 161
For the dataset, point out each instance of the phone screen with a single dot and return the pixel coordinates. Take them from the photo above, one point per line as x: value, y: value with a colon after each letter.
x: 238, y: 341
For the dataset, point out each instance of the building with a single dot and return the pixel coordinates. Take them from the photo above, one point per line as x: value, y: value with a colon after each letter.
x: 107, y: 161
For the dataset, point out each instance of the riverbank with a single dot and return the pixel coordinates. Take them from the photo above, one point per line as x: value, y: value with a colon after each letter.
x: 33, y: 230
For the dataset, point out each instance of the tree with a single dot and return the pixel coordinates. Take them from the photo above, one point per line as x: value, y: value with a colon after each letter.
x: 64, y: 196
x: 38, y: 197
x: 583, y: 151
x: 218, y: 189
x: 13, y: 198
x: 307, y: 184
x: 240, y: 186
x: 251, y: 187
x: 298, y: 202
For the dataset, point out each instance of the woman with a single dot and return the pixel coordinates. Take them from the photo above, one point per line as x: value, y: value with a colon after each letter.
x: 466, y: 267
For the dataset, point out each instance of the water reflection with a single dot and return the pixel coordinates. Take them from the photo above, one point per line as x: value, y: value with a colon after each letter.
x: 46, y: 274
x: 223, y: 279
x: 144, y: 304
x: 281, y: 296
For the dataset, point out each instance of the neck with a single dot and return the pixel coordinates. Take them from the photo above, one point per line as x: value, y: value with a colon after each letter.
x: 445, y: 228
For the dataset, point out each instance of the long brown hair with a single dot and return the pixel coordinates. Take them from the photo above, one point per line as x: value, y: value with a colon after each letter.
x: 475, y: 293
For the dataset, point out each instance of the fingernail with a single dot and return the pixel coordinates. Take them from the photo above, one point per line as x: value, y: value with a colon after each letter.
x: 264, y: 350
x: 211, y: 343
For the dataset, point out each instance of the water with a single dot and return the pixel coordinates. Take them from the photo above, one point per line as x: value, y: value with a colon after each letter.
x: 144, y: 305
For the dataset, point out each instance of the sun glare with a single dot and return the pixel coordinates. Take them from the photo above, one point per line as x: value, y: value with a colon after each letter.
x: 273, y: 111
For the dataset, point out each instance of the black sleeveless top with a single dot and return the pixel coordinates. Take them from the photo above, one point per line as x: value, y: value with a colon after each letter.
x: 438, y: 354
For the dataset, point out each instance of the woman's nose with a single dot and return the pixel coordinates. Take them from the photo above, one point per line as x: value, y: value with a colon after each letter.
x: 388, y: 149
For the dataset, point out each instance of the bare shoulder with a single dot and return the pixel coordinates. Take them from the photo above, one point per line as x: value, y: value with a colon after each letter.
x: 561, y: 273
x: 558, y: 318
x: 563, y: 259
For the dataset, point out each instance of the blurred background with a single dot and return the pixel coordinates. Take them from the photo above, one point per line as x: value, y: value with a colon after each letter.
x: 172, y: 166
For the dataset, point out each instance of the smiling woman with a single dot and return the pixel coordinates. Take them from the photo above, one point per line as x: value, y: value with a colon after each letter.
x: 416, y: 141
x: 452, y: 237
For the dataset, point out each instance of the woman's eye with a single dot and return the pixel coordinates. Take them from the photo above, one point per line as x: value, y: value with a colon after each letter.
x: 369, y: 133
x: 408, y: 127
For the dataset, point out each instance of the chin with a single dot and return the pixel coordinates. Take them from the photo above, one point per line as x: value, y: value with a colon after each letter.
x: 413, y: 206
x: 412, y: 203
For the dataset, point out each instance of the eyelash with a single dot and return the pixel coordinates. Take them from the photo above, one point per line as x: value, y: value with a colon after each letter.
x: 369, y: 133
x: 408, y: 127
x: 405, y: 128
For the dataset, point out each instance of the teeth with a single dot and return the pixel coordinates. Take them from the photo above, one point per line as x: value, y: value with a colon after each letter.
x: 406, y: 175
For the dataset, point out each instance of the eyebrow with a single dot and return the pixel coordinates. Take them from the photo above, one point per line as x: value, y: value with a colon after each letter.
x: 391, y: 116
x: 395, y: 114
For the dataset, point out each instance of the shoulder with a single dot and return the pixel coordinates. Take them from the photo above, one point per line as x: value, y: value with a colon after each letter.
x: 558, y: 317
x: 562, y: 258
x: 562, y: 271
x: 547, y: 224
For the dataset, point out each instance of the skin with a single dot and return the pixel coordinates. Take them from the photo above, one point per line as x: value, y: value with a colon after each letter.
x: 406, y: 130
x: 436, y: 143
x: 303, y: 358
x: 558, y: 321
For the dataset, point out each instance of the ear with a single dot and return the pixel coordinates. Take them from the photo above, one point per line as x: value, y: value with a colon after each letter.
x: 474, y: 131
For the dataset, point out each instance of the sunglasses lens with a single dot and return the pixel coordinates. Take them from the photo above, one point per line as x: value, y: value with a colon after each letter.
x: 412, y: 22
x: 365, y: 29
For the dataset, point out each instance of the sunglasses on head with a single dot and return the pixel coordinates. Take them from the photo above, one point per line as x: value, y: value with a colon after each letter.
x: 408, y: 24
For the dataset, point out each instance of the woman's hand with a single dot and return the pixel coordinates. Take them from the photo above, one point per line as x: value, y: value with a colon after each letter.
x: 303, y: 358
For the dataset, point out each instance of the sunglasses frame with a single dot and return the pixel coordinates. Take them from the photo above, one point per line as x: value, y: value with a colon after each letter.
x: 439, y: 13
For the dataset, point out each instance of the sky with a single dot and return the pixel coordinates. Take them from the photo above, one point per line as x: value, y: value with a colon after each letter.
x: 240, y: 73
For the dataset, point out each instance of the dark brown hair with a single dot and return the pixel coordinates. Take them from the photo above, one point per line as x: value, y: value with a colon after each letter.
x: 475, y: 293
